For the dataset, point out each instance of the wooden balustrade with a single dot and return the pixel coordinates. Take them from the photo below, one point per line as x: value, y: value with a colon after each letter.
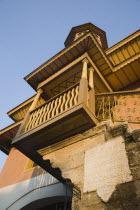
x: 119, y: 106
x: 55, y: 106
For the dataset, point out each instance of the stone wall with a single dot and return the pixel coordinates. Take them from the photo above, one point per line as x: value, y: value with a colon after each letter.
x: 104, y: 163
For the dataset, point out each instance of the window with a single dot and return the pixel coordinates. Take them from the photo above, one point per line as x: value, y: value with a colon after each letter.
x: 30, y: 165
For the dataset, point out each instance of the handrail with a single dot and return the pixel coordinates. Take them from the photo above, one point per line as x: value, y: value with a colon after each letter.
x: 55, y: 97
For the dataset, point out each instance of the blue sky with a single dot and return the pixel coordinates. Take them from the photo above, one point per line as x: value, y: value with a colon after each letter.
x: 32, y: 31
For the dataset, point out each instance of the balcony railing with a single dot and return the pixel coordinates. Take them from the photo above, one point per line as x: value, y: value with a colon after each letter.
x: 53, y: 107
x: 119, y: 106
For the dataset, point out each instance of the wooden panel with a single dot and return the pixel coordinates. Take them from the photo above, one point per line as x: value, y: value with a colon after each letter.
x: 40, y: 76
x: 59, y: 63
x: 136, y: 67
x: 120, y: 56
x: 97, y: 56
x: 93, y: 51
x: 87, y: 42
x: 100, y: 62
x: 75, y: 52
x: 70, y: 56
x: 130, y: 50
x: 99, y: 84
x: 106, y: 71
x: 123, y: 78
x: 64, y: 59
x: 80, y: 48
x: 138, y: 41
x: 115, y: 83
x: 115, y: 59
x: 110, y: 58
x: 49, y: 70
x: 130, y: 73
x: 103, y: 67
x: 44, y: 73
x: 91, y: 44
x: 135, y: 46
x: 53, y: 67
x: 125, y: 53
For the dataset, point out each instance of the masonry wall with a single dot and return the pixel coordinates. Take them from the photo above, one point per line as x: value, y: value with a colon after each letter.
x: 104, y: 164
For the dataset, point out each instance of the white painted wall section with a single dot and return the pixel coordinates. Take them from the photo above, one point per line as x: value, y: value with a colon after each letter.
x: 105, y: 167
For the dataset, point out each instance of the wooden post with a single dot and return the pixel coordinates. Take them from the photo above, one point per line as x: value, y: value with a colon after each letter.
x: 33, y: 105
x: 83, y: 88
x: 27, y: 115
x: 92, y: 90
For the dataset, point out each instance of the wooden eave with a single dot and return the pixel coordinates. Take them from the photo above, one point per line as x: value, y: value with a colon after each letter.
x: 53, y: 78
x: 122, y: 75
x: 6, y: 136
x: 86, y: 43
x: 20, y: 106
x: 123, y: 42
x: 19, y: 111
x: 125, y: 51
x: 125, y: 57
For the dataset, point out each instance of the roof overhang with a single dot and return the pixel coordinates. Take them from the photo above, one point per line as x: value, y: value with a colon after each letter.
x: 71, y: 69
x: 65, y: 57
x: 6, y: 136
x: 100, y: 58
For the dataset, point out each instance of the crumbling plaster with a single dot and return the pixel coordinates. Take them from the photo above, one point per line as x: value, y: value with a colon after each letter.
x: 96, y: 161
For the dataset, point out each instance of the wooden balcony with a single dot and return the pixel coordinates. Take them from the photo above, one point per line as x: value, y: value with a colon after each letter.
x: 60, y: 117
x: 68, y: 113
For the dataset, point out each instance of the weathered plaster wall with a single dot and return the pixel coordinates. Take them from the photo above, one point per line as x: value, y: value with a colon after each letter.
x: 105, y: 167
x: 99, y: 163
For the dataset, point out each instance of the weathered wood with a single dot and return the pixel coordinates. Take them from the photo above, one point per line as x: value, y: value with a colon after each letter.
x: 92, y: 91
x: 27, y: 116
x: 83, y: 89
x: 53, y: 107
x: 33, y: 105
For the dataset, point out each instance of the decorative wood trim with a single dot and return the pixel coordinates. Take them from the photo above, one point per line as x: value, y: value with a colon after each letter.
x: 10, y: 127
x: 100, y: 75
x: 61, y: 71
x: 123, y: 42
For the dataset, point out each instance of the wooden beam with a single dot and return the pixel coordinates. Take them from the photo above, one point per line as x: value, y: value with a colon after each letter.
x: 61, y: 71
